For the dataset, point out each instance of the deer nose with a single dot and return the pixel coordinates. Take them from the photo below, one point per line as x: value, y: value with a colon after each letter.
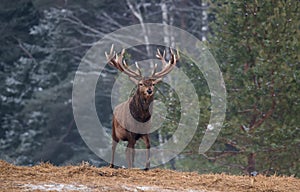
x: 149, y: 91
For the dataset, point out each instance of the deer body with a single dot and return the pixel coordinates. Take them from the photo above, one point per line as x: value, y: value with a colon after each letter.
x: 132, y: 121
x: 132, y: 118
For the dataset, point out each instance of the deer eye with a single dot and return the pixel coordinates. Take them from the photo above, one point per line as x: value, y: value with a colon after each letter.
x: 140, y: 84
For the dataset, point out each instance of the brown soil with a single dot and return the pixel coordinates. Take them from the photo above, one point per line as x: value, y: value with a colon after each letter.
x: 46, y: 177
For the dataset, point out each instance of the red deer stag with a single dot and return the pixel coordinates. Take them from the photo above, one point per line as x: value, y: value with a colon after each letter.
x: 131, y: 119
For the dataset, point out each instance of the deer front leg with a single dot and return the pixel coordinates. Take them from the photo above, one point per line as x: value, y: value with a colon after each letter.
x: 130, y: 153
x: 114, y: 145
x: 147, y: 143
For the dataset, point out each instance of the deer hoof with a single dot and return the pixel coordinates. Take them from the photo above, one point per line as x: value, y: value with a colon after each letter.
x: 111, y: 166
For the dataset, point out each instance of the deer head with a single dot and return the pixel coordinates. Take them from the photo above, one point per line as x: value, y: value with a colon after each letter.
x: 145, y: 84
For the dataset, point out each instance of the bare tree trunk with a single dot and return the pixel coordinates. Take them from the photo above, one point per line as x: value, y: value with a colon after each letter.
x: 204, y: 22
x: 137, y: 13
x: 251, y: 163
x: 164, y: 10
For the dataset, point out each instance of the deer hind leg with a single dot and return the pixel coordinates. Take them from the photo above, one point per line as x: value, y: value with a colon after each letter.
x: 147, y: 143
x: 130, y: 153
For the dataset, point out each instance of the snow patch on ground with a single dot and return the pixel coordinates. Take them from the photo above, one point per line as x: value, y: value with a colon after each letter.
x: 155, y: 189
x: 78, y: 187
x: 56, y: 187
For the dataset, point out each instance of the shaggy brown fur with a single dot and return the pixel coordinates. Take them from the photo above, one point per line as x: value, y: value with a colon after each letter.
x: 131, y: 121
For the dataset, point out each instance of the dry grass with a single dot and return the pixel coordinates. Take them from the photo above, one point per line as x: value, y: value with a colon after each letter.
x: 46, y: 177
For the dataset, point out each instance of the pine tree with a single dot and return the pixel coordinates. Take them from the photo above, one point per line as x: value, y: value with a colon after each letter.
x: 257, y: 45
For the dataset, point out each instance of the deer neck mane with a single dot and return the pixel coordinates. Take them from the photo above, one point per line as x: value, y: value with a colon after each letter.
x: 140, y: 107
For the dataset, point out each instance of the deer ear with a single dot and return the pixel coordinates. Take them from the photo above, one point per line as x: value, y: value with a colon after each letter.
x: 135, y: 81
x: 157, y: 80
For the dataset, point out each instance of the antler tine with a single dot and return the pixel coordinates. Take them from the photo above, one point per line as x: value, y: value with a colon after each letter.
x: 161, y: 57
x: 106, y: 55
x: 173, y: 56
x: 116, y: 61
x: 110, y: 55
x: 130, y: 72
x: 154, y: 70
x: 167, y: 68
x: 122, y: 55
x: 138, y: 68
x: 111, y: 49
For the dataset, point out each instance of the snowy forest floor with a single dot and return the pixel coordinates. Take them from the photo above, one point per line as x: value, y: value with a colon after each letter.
x: 84, y: 177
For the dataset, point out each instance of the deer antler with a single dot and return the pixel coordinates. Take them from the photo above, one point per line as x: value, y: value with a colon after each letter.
x: 117, y: 61
x: 167, y: 67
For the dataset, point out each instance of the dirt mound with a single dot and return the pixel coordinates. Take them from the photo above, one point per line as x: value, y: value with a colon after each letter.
x: 46, y: 177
